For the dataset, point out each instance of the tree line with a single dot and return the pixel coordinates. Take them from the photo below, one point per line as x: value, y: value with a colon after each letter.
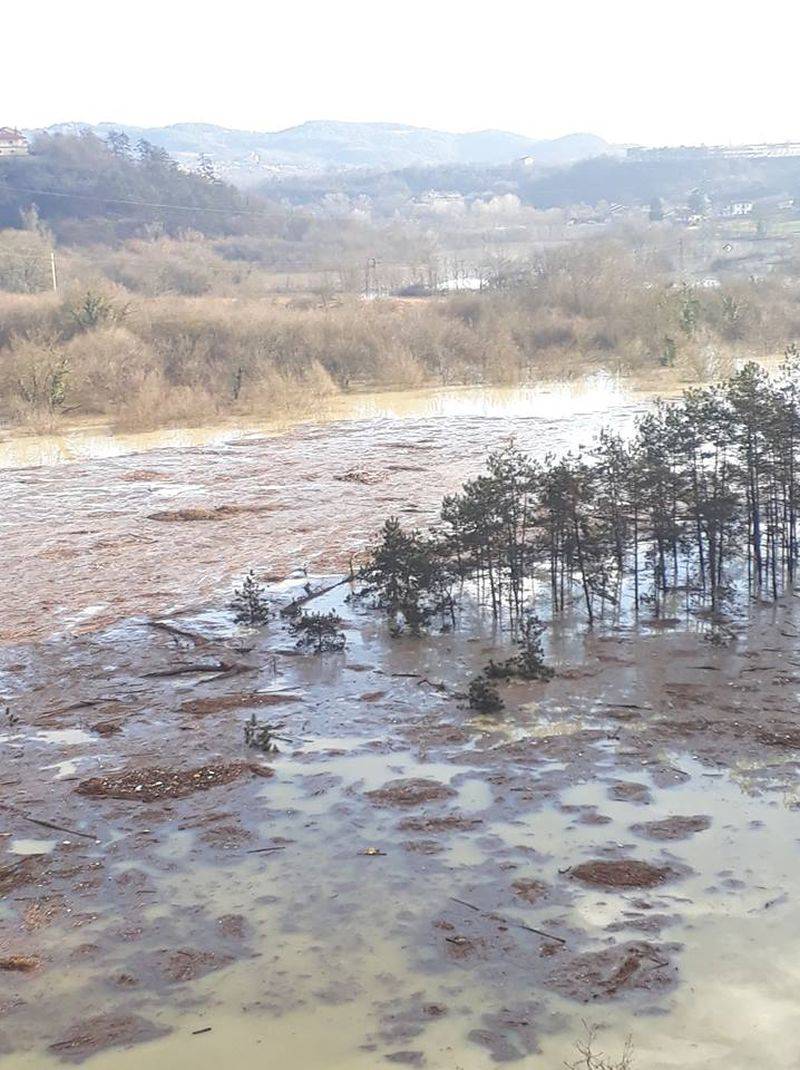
x: 700, y: 501
x: 593, y: 181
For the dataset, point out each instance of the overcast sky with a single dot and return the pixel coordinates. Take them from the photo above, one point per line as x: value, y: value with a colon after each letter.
x: 711, y: 71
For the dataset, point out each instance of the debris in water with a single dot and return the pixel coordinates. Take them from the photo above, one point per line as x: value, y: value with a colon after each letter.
x: 114, y: 1030
x: 602, y: 975
x: 623, y: 873
x: 20, y: 963
x: 410, y: 792
x: 148, y: 785
x: 672, y: 828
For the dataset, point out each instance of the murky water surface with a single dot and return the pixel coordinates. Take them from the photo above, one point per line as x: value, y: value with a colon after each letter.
x: 593, y: 394
x: 119, y: 532
x: 319, y: 917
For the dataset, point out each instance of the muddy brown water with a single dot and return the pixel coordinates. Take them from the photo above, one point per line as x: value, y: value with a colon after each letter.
x: 406, y: 887
x: 96, y: 539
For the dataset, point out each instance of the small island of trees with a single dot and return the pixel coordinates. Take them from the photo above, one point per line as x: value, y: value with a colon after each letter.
x: 701, y: 499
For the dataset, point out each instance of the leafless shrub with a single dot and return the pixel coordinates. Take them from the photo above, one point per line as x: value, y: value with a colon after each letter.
x: 591, y: 1058
x: 187, y: 329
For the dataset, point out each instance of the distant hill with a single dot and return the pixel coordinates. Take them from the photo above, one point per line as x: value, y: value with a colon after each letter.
x: 247, y: 156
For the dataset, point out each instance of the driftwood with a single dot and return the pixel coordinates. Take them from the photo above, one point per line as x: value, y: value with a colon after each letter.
x: 508, y: 921
x: 295, y: 604
x: 219, y: 668
x: 624, y: 706
x: 176, y: 632
x: 50, y: 825
x: 438, y: 685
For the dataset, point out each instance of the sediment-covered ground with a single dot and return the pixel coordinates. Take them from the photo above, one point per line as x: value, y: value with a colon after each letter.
x: 403, y: 882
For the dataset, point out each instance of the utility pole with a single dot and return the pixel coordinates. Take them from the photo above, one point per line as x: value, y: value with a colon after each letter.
x: 53, y: 272
x: 370, y: 277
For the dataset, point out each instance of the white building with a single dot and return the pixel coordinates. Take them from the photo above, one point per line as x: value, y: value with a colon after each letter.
x: 12, y: 143
x: 738, y: 208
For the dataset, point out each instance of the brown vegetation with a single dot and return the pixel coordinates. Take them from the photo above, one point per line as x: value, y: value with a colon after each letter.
x: 143, y: 355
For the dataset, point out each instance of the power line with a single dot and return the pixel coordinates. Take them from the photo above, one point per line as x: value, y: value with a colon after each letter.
x: 32, y: 258
x: 117, y: 200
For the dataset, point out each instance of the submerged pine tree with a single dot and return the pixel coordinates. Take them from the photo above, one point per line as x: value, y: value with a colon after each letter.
x: 483, y: 695
x: 528, y: 663
x: 319, y: 632
x: 700, y: 503
x: 260, y: 736
x: 411, y: 577
x: 250, y: 605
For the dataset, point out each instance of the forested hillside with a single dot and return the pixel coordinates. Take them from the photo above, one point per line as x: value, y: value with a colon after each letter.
x: 88, y: 189
x: 586, y: 182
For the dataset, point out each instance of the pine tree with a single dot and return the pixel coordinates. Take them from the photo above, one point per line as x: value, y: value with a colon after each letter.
x: 483, y: 696
x: 250, y: 605
x: 321, y: 632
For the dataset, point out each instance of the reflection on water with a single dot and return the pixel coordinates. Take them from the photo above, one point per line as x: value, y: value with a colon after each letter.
x: 86, y: 443
x: 553, y: 401
x: 31, y: 847
x: 327, y: 932
x: 343, y: 901
x: 65, y: 736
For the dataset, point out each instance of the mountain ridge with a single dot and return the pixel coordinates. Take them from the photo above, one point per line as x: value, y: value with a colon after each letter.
x: 321, y: 145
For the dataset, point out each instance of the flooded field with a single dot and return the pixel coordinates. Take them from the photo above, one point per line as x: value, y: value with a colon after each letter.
x: 404, y: 882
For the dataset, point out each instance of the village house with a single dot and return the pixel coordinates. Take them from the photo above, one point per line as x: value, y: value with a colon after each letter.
x: 737, y: 208
x: 12, y: 142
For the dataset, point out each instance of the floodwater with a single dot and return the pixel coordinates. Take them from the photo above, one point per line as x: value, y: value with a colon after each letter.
x: 100, y: 539
x: 315, y: 925
x: 593, y: 394
x: 319, y: 918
